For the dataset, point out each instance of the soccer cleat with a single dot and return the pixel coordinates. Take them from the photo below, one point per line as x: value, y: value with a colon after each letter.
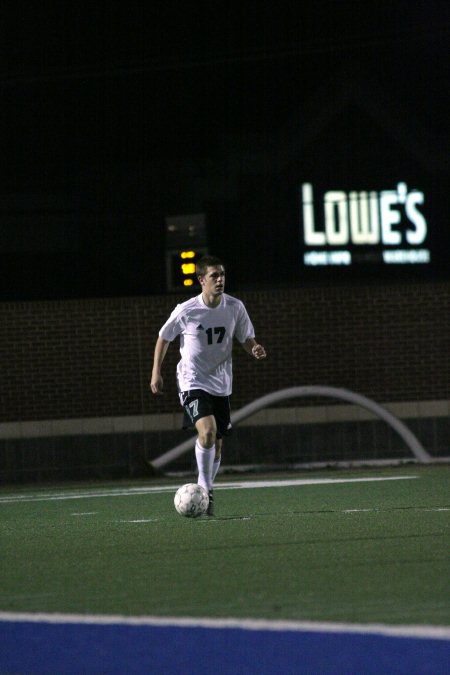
x: 210, y: 509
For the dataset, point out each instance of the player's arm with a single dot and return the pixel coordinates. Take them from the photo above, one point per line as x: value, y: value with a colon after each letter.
x: 254, y: 348
x: 156, y: 383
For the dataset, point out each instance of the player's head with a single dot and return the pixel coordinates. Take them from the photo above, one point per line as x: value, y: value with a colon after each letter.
x: 211, y: 275
x: 205, y: 262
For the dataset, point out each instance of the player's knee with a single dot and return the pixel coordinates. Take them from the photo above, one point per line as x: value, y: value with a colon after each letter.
x: 207, y: 438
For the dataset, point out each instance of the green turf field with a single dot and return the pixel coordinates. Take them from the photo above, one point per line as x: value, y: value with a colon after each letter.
x: 373, y: 551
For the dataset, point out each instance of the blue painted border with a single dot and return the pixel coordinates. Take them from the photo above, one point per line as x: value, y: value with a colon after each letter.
x: 80, y: 649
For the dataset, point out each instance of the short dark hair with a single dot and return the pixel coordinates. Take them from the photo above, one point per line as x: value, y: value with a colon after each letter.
x: 205, y: 262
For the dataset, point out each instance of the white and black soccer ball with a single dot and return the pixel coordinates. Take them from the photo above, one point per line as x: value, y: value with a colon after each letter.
x: 191, y: 500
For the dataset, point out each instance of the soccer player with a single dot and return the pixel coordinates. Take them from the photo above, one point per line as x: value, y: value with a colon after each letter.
x: 206, y: 325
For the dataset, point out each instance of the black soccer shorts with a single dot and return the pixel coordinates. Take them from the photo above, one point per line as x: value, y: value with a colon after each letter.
x: 198, y: 403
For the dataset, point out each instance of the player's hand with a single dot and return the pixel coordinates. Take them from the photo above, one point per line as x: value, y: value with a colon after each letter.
x: 157, y: 385
x: 259, y: 352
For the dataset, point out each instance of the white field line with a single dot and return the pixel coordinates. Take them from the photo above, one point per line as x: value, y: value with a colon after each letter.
x: 415, y: 631
x: 307, y: 481
x: 128, y: 492
x: 139, y: 520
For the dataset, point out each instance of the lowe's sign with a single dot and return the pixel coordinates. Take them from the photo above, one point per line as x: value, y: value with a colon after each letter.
x: 388, y: 226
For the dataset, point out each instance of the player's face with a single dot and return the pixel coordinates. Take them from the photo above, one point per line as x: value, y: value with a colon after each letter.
x: 213, y: 282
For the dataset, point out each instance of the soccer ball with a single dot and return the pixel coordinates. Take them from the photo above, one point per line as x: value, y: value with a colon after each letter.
x: 191, y: 500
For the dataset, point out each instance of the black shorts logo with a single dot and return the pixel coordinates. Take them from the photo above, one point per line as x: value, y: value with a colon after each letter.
x: 192, y: 409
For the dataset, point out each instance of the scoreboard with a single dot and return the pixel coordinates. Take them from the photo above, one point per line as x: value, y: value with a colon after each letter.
x: 185, y: 245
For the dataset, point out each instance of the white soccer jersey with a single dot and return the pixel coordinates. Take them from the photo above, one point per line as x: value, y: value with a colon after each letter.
x: 206, y: 342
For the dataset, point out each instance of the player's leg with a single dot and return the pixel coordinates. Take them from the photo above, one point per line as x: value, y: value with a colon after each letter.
x: 222, y: 414
x: 205, y: 450
x: 215, y: 469
x: 217, y: 457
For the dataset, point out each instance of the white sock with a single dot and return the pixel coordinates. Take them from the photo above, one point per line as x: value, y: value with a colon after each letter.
x: 216, y: 465
x: 205, y: 460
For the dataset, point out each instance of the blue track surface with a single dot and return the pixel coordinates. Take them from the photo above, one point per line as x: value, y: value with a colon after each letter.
x: 33, y: 648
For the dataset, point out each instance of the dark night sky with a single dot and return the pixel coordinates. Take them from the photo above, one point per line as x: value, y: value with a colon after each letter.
x: 88, y: 86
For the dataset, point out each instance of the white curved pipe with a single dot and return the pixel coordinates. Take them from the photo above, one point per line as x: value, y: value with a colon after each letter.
x: 294, y: 392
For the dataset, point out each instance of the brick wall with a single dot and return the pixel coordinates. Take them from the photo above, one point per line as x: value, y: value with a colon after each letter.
x: 92, y: 358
